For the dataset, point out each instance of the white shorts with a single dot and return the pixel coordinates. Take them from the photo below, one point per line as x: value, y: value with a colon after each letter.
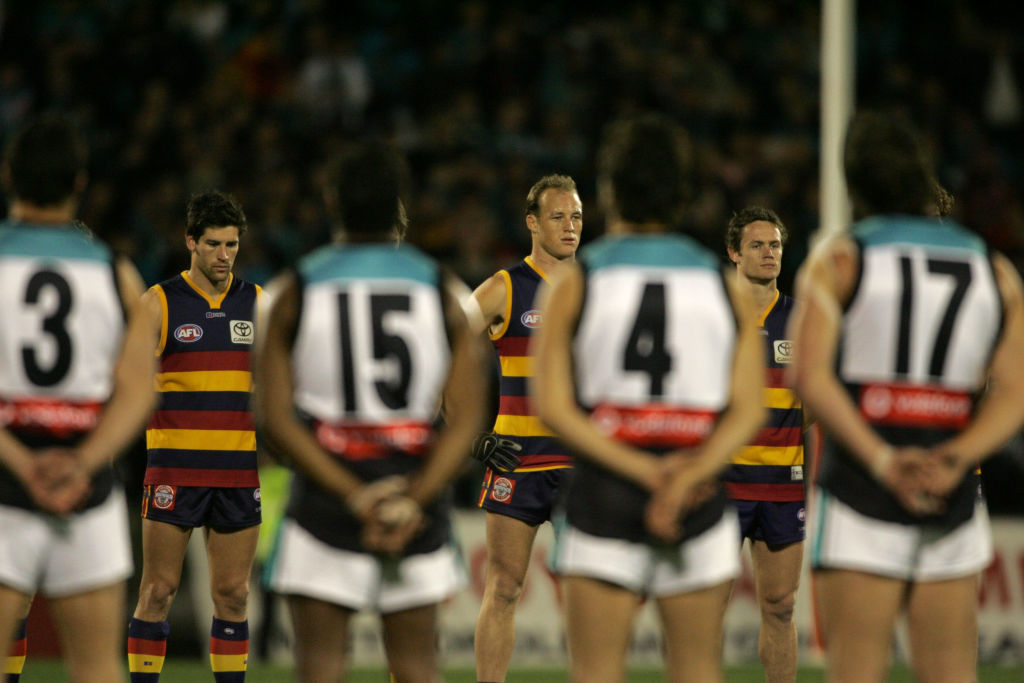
x: 65, y: 556
x: 842, y: 538
x: 700, y: 562
x: 304, y: 565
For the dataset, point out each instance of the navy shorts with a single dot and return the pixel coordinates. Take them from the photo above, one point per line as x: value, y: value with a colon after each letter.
x: 195, y: 506
x: 775, y: 523
x: 527, y: 496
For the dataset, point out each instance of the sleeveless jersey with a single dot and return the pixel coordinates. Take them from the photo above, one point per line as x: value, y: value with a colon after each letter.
x: 517, y: 419
x: 61, y: 325
x: 917, y: 337
x: 771, y: 466
x: 202, y: 433
x: 370, y: 360
x: 652, y: 357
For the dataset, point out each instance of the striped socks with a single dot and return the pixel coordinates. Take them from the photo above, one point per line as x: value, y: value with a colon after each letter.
x: 229, y: 650
x: 16, y: 655
x: 147, y: 645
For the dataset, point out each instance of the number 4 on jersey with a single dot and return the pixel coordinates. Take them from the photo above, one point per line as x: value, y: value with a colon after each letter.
x: 645, y: 349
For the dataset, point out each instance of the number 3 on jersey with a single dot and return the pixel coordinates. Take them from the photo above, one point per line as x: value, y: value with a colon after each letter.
x: 386, y: 347
x: 54, y: 325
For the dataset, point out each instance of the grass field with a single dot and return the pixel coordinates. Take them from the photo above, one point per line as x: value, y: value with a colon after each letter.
x: 194, y: 671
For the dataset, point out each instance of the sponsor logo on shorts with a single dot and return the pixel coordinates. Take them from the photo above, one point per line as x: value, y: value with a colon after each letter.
x: 802, y: 515
x: 242, y: 332
x: 257, y: 496
x: 501, y: 489
x: 783, y: 350
x: 531, y: 319
x: 188, y: 333
x: 163, y: 497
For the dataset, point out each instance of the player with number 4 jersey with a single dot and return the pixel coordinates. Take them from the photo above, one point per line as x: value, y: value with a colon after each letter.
x: 649, y: 367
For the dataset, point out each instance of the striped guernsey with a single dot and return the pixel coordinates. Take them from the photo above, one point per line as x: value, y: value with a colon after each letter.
x: 203, y: 434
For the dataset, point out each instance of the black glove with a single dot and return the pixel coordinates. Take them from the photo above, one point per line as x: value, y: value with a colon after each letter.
x: 496, y: 452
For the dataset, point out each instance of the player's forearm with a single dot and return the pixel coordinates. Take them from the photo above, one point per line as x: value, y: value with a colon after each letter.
x: 996, y: 421
x: 821, y: 392
x: 576, y: 431
x: 290, y: 438
x: 14, y: 455
x: 120, y: 424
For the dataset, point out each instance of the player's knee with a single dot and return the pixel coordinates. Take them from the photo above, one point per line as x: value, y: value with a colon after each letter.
x: 779, y: 606
x: 231, y: 598
x: 157, y: 595
x: 505, y: 587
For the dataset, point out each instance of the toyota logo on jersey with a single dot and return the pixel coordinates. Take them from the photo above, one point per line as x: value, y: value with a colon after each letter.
x: 188, y: 333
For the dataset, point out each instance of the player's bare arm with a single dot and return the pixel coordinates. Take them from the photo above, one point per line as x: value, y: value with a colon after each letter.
x: 1002, y: 407
x: 554, y: 392
x: 465, y: 394
x: 492, y: 298
x: 133, y: 396
x: 273, y: 412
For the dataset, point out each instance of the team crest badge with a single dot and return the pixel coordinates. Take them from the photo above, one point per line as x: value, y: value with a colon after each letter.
x: 242, y: 331
x: 501, y: 490
x: 163, y: 497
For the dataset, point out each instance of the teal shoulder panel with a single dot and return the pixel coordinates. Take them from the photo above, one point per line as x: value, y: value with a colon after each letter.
x: 373, y: 261
x: 917, y: 231
x: 653, y: 251
x: 56, y: 242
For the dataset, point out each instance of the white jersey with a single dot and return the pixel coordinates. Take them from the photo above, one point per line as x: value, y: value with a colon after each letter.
x: 62, y: 316
x: 370, y: 359
x: 917, y: 338
x: 371, y: 346
x: 61, y: 327
x: 652, y: 359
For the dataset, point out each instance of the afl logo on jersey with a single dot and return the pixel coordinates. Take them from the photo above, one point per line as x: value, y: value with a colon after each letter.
x: 188, y: 333
x: 531, y: 318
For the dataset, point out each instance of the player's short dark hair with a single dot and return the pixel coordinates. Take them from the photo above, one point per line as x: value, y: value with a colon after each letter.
x: 213, y: 209
x: 44, y: 159
x: 744, y: 217
x: 370, y: 180
x: 554, y: 181
x: 646, y: 160
x: 886, y: 169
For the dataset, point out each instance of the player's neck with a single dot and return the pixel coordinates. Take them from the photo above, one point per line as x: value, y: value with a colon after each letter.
x: 546, y: 261
x: 213, y: 289
x: 764, y: 292
x: 27, y: 212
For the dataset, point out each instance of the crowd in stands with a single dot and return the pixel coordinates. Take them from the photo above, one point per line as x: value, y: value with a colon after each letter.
x: 252, y: 96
